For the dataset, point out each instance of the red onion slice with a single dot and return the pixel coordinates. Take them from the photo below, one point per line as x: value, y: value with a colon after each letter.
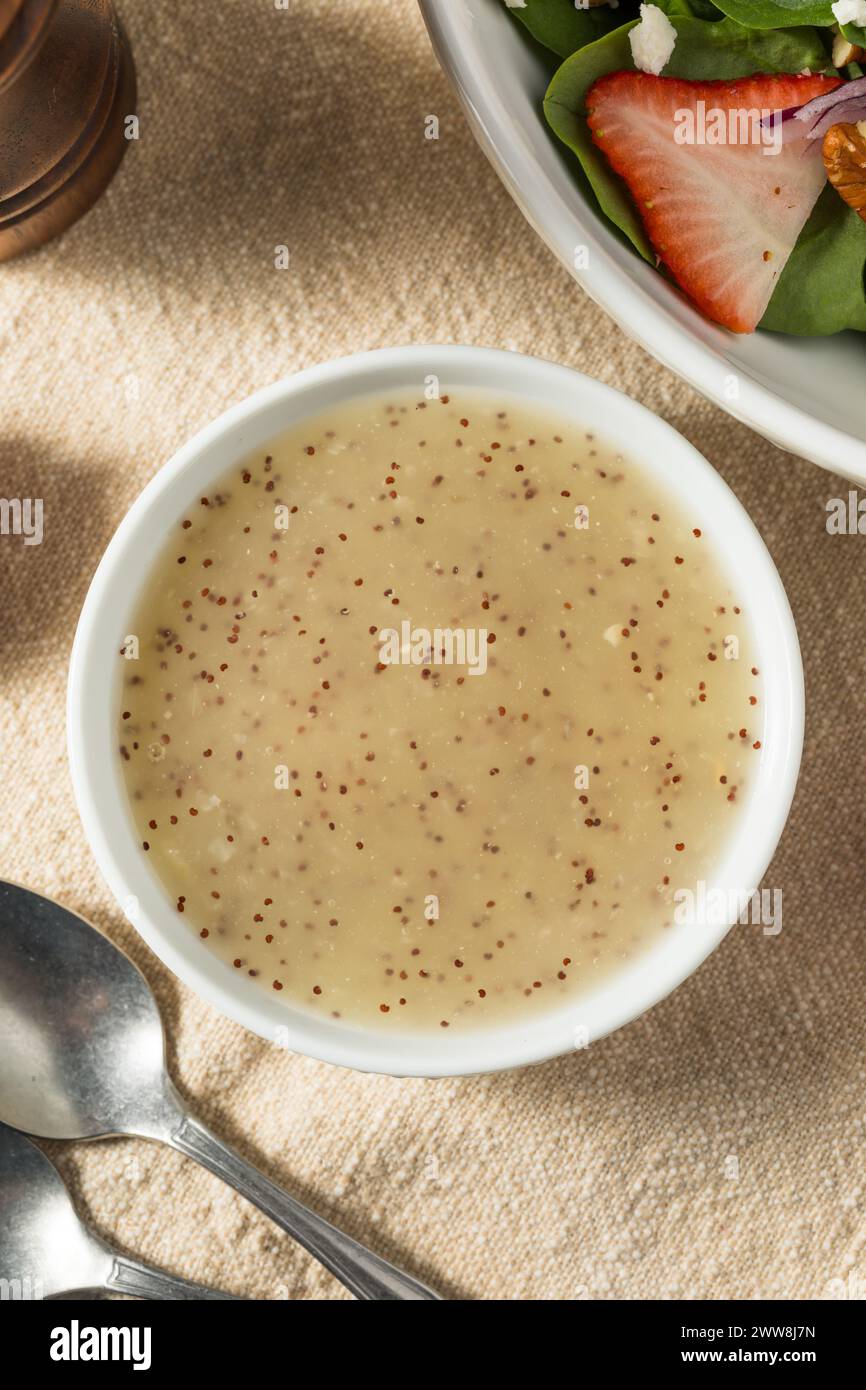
x: 847, y: 112
x: 844, y: 104
x: 780, y: 117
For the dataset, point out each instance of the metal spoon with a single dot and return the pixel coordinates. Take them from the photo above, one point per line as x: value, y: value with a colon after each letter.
x: 46, y: 1251
x: 83, y: 1056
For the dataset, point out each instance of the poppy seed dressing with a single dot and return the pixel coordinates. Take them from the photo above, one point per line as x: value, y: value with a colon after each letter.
x: 431, y: 708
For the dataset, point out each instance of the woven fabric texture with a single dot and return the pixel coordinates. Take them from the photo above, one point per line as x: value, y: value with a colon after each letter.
x: 605, y: 1174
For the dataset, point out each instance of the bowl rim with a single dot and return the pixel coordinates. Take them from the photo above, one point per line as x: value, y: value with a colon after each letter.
x: 91, y: 705
x: 628, y: 303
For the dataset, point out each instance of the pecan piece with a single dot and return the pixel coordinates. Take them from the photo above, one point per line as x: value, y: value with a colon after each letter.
x: 844, y: 152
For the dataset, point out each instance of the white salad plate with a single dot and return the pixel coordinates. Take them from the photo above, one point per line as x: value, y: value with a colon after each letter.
x: 806, y: 395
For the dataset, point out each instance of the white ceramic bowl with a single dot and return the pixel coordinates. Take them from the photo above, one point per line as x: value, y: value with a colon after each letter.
x: 94, y: 701
x: 806, y: 394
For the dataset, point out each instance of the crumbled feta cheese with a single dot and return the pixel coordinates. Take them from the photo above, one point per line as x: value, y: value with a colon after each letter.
x: 850, y: 12
x: 652, y: 39
x: 516, y: 4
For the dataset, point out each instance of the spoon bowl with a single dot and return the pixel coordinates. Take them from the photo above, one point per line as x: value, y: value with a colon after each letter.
x: 80, y: 1032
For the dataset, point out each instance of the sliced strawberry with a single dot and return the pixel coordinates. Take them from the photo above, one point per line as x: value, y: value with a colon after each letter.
x: 722, y: 217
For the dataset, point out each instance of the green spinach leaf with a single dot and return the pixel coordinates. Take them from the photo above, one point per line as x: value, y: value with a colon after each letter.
x: 563, y: 28
x: 699, y: 9
x: 821, y: 289
x: 565, y: 109
x: 778, y: 14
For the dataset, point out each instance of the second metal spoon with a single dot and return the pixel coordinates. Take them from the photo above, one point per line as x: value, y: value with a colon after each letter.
x: 46, y: 1251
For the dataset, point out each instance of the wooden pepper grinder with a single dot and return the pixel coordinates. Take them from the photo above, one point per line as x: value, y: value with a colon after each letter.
x: 67, y: 86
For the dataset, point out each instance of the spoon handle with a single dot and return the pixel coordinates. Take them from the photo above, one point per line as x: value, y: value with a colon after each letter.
x: 363, y: 1273
x: 128, y: 1276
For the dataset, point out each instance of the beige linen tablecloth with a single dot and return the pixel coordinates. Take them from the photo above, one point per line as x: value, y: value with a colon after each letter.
x: 606, y: 1174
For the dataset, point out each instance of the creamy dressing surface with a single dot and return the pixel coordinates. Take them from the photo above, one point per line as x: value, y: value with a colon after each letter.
x: 429, y: 709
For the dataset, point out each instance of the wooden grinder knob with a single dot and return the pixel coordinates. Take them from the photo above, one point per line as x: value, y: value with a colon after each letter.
x: 67, y: 85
